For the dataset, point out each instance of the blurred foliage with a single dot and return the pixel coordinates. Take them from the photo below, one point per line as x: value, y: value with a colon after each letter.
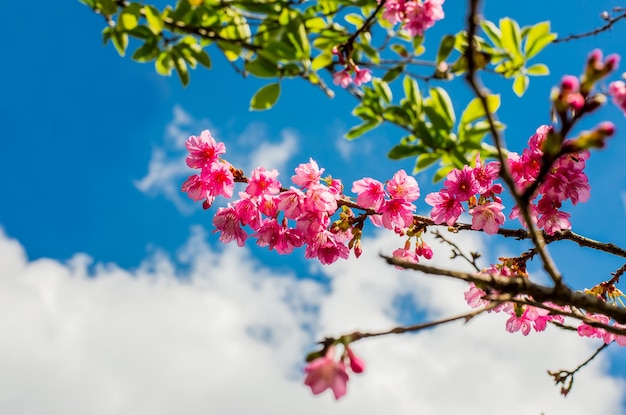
x: 278, y: 39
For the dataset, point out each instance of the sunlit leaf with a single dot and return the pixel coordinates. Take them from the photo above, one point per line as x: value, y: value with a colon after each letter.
x: 265, y: 98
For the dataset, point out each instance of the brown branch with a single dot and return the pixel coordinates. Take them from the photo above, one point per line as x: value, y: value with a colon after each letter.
x: 357, y: 335
x: 566, y: 377
x: 476, y: 85
x: 457, y: 252
x: 560, y: 295
x: 607, y: 26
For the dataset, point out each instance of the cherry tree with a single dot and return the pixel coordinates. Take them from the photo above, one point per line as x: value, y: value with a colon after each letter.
x: 372, y: 50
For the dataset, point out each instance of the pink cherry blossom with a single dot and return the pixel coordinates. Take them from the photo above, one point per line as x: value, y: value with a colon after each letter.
x: 220, y: 179
x: 552, y: 219
x: 422, y: 15
x: 485, y: 174
x: 342, y: 78
x: 326, y: 373
x: 247, y: 209
x: 462, y: 184
x: 519, y: 323
x: 488, y: 217
x: 370, y: 193
x: 203, y: 150
x: 394, y: 11
x: 291, y: 203
x: 320, y: 198
x: 397, y: 212
x: 196, y: 188
x: 227, y: 223
x: 362, y: 76
x: 406, y: 255
x: 474, y: 296
x: 262, y: 181
x: 617, y: 90
x: 403, y: 186
x: 307, y: 174
x: 446, y: 209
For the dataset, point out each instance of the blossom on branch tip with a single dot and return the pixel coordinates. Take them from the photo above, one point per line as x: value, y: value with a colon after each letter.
x: 326, y: 373
x: 362, y: 76
x: 342, y: 78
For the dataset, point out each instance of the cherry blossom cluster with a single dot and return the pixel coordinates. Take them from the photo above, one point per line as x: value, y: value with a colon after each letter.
x: 324, y: 372
x: 525, y: 317
x: 284, y: 219
x: 474, y: 186
x: 416, y: 16
x: 565, y: 181
x: 344, y: 76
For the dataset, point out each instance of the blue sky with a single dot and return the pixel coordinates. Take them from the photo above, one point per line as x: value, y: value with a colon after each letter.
x: 98, y: 244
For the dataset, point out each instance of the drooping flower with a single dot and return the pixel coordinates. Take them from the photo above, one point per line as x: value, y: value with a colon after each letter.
x: 356, y: 363
x: 342, y: 78
x: 362, y: 76
x: 228, y: 224
x: 326, y: 373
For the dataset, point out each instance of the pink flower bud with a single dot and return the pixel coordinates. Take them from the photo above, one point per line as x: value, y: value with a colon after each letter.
x: 569, y: 83
x: 356, y: 364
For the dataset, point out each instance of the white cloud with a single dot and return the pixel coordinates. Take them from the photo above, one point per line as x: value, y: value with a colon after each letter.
x: 219, y: 333
x: 167, y: 169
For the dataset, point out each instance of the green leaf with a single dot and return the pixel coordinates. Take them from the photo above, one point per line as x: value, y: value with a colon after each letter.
x: 441, y: 173
x: 203, y: 58
x: 425, y: 160
x: 475, y: 111
x: 354, y: 19
x: 404, y: 150
x: 120, y: 41
x: 400, y: 50
x: 262, y: 68
x: 382, y: 89
x: 128, y: 20
x: 442, y: 104
x: 445, y: 47
x: 164, y: 63
x: 265, y: 98
x: 393, y: 73
x: 520, y: 84
x: 511, y: 36
x: 107, y: 7
x: 146, y: 52
x: 412, y: 93
x: 492, y: 32
x: 361, y: 129
x: 321, y: 61
x: 538, y: 69
x: 539, y: 37
x: 153, y: 17
x: 181, y: 70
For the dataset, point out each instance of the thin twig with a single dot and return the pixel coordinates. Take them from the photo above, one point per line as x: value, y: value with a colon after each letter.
x: 607, y: 26
x: 566, y: 377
